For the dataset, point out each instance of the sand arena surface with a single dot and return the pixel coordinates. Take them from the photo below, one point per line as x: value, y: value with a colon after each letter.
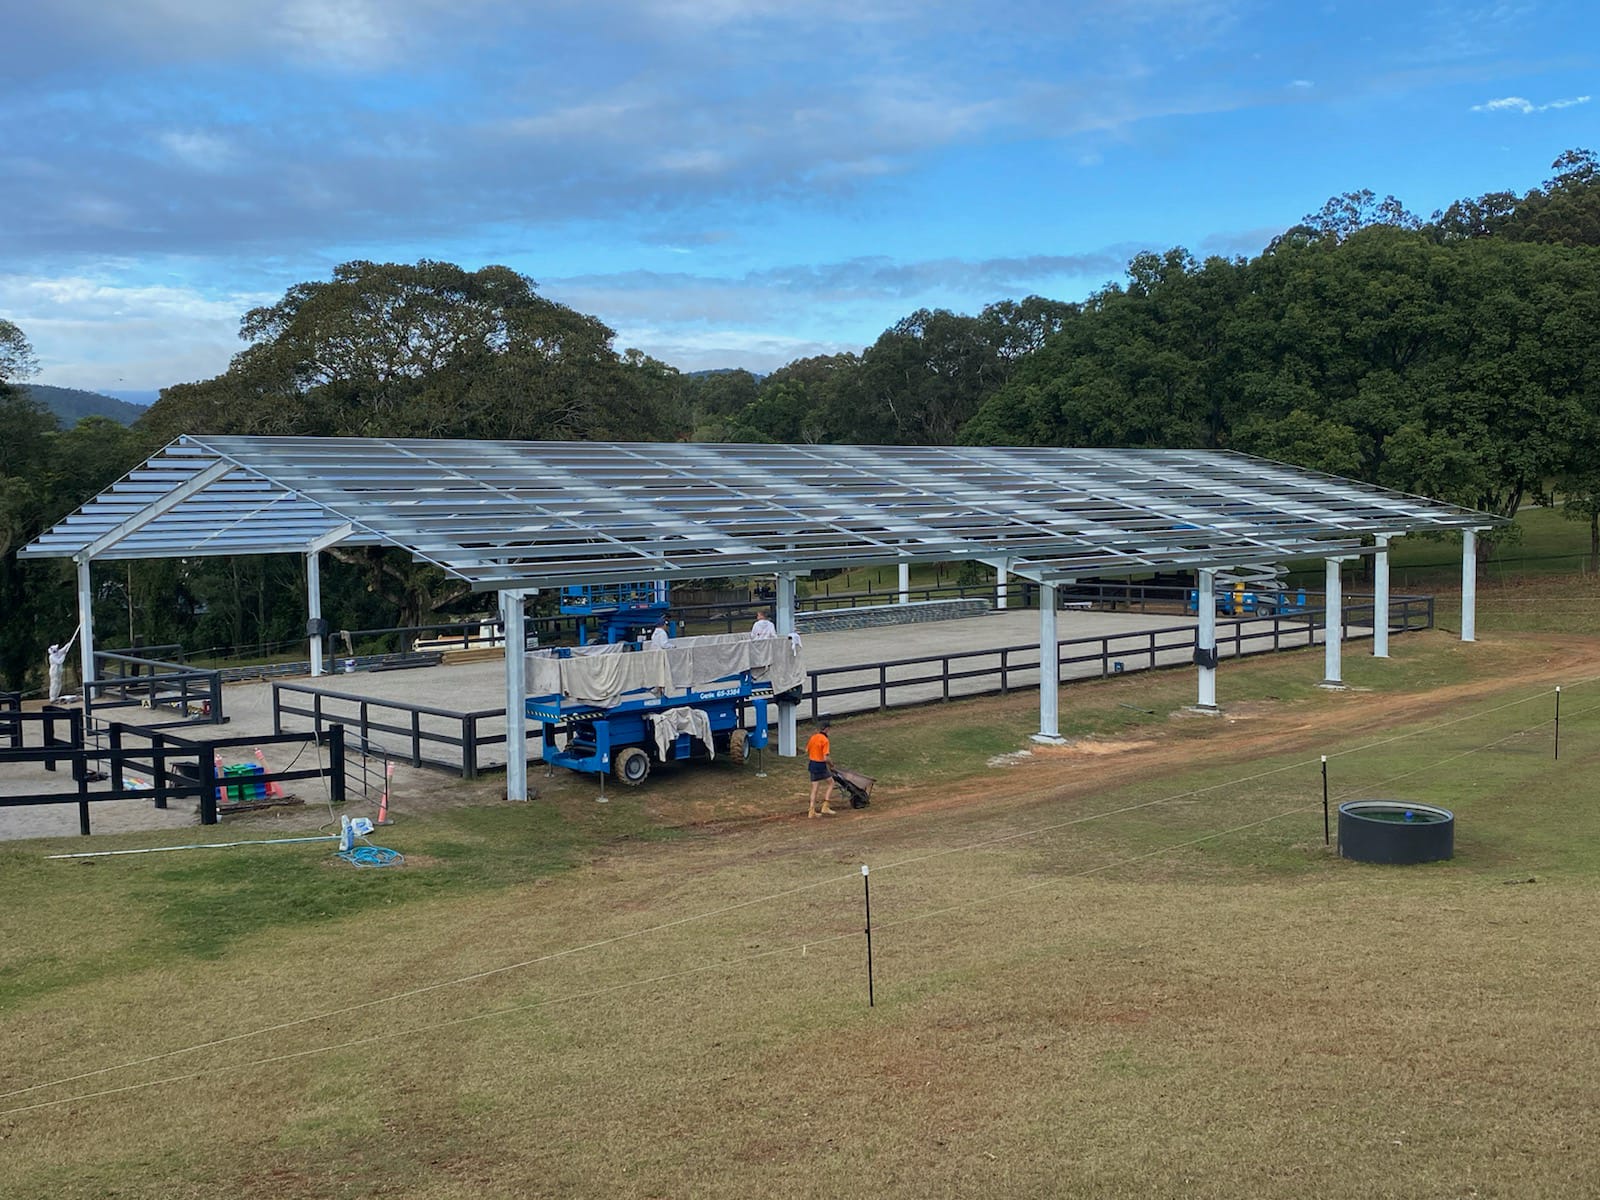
x: 479, y: 686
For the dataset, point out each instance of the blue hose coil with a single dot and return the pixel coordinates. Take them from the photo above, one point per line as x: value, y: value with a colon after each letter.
x: 373, y: 856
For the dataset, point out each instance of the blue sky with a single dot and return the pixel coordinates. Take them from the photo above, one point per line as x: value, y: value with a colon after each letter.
x: 724, y: 182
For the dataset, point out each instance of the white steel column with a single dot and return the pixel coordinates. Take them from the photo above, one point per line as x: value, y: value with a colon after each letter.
x: 1333, y: 622
x: 1049, y: 668
x: 783, y: 618
x: 511, y: 614
x: 1469, y: 585
x: 905, y: 583
x: 1205, y: 637
x: 1000, y: 589
x: 1380, y: 598
x: 314, y: 608
x: 85, y: 633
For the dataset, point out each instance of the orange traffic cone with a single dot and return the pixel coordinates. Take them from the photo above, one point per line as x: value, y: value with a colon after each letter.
x: 274, y: 788
x: 383, y: 801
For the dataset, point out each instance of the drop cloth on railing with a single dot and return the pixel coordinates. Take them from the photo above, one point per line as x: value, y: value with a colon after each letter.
x: 669, y: 723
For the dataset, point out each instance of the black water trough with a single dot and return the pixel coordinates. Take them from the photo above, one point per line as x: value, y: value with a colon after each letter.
x: 1396, y: 831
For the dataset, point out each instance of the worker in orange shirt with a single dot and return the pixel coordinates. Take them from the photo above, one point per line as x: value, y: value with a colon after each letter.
x: 820, y: 765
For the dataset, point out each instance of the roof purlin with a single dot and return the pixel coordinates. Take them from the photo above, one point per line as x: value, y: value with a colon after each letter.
x: 499, y: 514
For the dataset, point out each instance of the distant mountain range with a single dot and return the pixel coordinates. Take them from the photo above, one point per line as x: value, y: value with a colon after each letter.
x: 71, y: 405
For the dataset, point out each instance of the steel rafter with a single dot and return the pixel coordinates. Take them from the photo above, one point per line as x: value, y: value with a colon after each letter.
x: 513, y: 515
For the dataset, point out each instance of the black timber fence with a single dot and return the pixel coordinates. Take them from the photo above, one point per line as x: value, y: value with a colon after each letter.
x: 452, y: 740
x: 443, y: 738
x: 139, y: 679
x: 177, y: 767
x: 1109, y: 654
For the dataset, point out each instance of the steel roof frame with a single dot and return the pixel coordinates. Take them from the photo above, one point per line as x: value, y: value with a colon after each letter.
x: 520, y: 515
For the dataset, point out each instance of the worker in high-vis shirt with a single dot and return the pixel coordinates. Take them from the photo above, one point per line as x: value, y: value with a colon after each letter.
x: 819, y: 762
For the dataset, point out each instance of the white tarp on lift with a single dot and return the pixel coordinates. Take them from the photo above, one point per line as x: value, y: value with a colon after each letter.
x: 601, y: 675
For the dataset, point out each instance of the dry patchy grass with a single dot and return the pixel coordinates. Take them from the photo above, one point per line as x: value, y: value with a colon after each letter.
x: 1085, y: 984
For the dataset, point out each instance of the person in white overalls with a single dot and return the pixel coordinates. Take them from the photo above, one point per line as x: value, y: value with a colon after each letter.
x: 57, y: 656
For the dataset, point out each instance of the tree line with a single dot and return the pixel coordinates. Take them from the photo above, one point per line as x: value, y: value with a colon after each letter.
x: 1454, y: 357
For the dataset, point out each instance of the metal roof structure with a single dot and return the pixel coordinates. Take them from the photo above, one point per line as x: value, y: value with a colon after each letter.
x: 510, y: 515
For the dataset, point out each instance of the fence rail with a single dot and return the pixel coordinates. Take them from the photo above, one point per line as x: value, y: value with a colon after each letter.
x: 453, y: 741
x: 367, y: 716
x: 10, y: 728
x: 1109, y: 653
x: 177, y: 766
x: 126, y: 680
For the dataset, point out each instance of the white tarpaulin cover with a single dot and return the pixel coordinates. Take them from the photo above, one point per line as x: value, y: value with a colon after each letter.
x: 670, y: 722
x: 600, y: 675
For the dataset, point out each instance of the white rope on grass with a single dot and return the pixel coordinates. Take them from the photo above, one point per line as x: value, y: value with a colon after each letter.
x: 414, y: 1030
x: 931, y: 914
x: 566, y: 952
x: 982, y: 843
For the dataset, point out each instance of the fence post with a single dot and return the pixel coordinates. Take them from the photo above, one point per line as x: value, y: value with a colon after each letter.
x: 336, y: 782
x: 114, y: 740
x: 469, y: 746
x: 208, y: 786
x: 80, y: 771
x: 158, y: 769
x: 216, y: 698
x: 277, y: 711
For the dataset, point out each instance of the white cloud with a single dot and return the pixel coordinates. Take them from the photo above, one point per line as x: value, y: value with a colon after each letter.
x: 697, y: 14
x: 101, y: 212
x: 701, y: 161
x: 711, y: 349
x: 345, y: 35
x: 358, y: 34
x: 98, y: 333
x: 1517, y: 104
x: 198, y: 149
x: 574, y: 121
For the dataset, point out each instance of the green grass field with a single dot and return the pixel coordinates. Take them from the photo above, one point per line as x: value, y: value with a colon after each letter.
x: 1127, y: 967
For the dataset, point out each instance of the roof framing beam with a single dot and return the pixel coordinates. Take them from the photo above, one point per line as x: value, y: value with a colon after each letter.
x: 518, y: 515
x: 194, y: 485
x: 332, y: 538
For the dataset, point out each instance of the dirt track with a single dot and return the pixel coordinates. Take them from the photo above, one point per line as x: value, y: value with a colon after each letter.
x: 1249, y: 730
x: 1257, y: 729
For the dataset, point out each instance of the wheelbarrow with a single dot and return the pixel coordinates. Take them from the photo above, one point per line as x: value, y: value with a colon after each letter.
x: 855, y: 785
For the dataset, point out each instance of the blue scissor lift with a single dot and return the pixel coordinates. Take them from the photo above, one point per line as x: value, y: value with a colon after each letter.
x: 619, y: 610
x: 619, y: 739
